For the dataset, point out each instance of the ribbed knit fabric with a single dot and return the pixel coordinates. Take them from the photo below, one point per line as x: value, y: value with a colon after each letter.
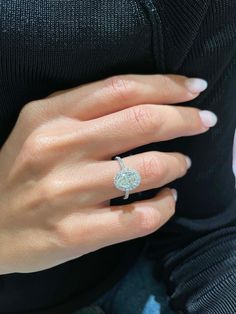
x: 202, y: 276
x: 52, y: 45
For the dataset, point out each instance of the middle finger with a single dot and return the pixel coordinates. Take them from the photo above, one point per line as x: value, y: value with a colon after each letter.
x: 136, y: 126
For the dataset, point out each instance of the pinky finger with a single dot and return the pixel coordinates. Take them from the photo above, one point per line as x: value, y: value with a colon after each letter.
x: 120, y: 223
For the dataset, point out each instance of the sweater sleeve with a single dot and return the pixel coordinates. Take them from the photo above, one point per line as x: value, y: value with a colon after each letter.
x: 201, y: 276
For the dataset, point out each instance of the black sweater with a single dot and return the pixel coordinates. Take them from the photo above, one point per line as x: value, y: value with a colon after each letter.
x: 53, y: 45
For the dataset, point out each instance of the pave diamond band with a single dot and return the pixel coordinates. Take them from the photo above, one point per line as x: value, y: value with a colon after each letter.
x: 126, y: 179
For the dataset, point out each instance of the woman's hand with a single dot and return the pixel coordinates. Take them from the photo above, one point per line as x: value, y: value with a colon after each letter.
x: 57, y: 173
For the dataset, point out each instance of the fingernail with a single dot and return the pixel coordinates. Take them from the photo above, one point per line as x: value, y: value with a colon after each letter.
x: 189, y: 161
x: 175, y: 194
x: 196, y: 85
x: 208, y: 118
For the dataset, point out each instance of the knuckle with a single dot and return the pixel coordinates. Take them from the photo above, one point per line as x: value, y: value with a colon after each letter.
x: 193, y: 120
x: 49, y: 192
x: 143, y: 119
x: 34, y: 111
x: 53, y: 188
x: 29, y: 114
x: 36, y: 146
x: 29, y: 108
x: 72, y: 234
x: 30, y: 105
x: 82, y: 136
x: 26, y: 111
x: 166, y: 83
x: 62, y: 234
x: 122, y: 87
x: 45, y: 191
x: 147, y: 221
x: 153, y: 166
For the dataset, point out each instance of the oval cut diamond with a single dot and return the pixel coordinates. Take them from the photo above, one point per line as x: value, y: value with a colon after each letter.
x: 127, y: 179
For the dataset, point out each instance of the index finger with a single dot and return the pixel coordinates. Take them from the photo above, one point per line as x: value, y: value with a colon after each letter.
x: 93, y: 100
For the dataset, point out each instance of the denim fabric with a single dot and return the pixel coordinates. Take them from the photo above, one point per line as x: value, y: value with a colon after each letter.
x: 136, y: 293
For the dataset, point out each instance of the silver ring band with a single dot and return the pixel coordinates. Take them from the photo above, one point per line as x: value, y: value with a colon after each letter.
x: 126, y: 179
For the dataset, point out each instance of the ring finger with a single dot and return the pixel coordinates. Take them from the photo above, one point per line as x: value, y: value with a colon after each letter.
x: 94, y: 183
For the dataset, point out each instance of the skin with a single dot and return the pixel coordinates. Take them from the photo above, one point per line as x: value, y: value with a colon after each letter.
x: 58, y: 173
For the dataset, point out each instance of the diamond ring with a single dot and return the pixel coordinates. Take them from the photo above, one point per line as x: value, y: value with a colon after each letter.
x: 126, y: 179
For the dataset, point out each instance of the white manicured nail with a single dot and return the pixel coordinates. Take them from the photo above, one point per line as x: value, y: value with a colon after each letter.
x: 175, y: 194
x: 189, y: 161
x: 196, y: 85
x: 208, y: 118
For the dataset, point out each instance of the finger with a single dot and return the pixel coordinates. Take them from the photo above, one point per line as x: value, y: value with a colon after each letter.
x: 94, y: 183
x: 116, y: 224
x: 92, y: 100
x: 156, y: 169
x: 139, y: 125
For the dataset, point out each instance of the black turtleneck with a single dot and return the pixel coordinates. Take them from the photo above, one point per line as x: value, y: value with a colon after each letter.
x: 54, y: 45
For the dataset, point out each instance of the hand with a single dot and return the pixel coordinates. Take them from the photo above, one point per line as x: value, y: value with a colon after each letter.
x: 57, y: 173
